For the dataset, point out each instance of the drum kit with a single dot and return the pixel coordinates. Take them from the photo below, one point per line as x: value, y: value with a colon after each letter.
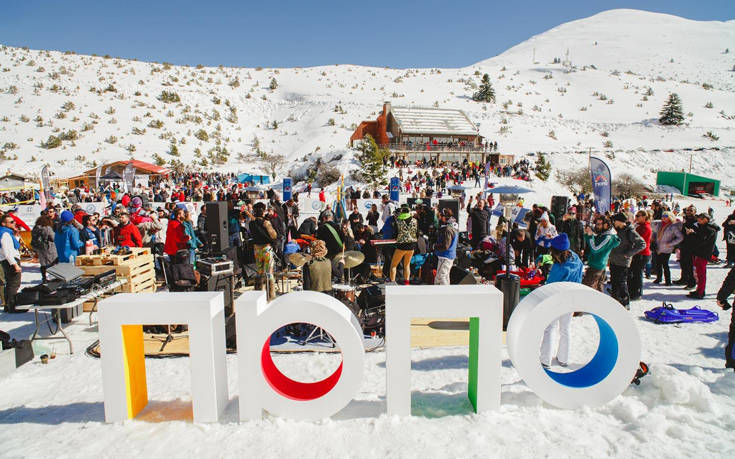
x: 345, y: 292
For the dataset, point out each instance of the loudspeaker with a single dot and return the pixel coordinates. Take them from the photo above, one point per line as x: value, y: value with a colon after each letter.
x: 452, y: 204
x: 458, y: 276
x: 218, y: 236
x: 559, y: 206
x: 225, y: 284
x: 220, y: 283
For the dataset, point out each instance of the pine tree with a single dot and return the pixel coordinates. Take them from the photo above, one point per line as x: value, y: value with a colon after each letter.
x: 274, y: 84
x: 372, y: 168
x: 486, y: 93
x: 672, y: 113
x: 543, y: 167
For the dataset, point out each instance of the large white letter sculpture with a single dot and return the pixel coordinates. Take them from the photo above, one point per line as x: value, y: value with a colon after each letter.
x: 123, y: 361
x: 609, y: 372
x: 263, y: 386
x: 481, y: 303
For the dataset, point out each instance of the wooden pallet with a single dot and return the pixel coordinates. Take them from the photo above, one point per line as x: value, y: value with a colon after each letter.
x: 111, y: 259
x: 137, y: 267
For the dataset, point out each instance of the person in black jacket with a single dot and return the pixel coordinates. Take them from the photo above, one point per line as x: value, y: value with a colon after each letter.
x: 332, y: 235
x: 479, y: 218
x: 574, y: 229
x: 728, y: 286
x: 522, y: 244
x: 728, y: 235
x: 308, y: 227
x: 705, y: 237
x: 686, y: 258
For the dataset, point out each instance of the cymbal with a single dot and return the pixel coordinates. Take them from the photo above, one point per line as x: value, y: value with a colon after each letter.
x: 351, y: 258
x: 298, y: 259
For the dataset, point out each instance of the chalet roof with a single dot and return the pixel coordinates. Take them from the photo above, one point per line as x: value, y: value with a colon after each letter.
x: 437, y: 121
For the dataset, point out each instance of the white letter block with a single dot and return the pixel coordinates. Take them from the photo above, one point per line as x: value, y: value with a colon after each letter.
x: 263, y: 386
x: 123, y: 361
x: 481, y: 303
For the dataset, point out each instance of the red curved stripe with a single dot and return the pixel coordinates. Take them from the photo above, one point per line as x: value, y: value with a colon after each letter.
x: 291, y: 389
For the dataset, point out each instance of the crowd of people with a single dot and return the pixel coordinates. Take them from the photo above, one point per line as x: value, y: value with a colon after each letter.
x: 611, y: 252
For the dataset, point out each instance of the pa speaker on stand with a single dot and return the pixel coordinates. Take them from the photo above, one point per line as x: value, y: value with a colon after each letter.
x: 218, y: 236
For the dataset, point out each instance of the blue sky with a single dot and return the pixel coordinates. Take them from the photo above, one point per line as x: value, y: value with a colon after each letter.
x: 396, y: 33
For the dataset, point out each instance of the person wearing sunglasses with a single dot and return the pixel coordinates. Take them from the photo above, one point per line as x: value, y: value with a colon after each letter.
x: 10, y: 260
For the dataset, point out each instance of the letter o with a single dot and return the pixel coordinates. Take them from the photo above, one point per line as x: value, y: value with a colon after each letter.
x: 287, y: 398
x: 611, y: 369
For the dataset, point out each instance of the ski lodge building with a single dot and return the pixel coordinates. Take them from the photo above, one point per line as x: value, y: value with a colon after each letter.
x: 415, y: 133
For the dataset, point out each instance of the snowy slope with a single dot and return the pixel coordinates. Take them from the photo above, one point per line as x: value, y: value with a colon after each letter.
x: 541, y: 106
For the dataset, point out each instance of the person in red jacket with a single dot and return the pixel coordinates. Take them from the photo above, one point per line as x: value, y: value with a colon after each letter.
x: 176, y: 238
x: 127, y: 234
x: 641, y: 259
x: 78, y: 213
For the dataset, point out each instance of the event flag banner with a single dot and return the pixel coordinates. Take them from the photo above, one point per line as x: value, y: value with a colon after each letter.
x: 287, y: 189
x: 263, y: 387
x: 97, y: 175
x: 128, y: 177
x: 601, y: 184
x: 45, y: 181
x: 395, y: 188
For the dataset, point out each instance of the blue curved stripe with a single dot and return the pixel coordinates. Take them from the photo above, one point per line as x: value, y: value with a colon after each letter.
x: 599, y: 367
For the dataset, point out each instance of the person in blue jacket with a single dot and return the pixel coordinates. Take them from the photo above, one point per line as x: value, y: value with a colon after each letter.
x: 567, y: 267
x: 67, y: 239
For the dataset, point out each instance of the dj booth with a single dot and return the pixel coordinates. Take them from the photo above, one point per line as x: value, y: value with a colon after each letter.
x: 55, y: 311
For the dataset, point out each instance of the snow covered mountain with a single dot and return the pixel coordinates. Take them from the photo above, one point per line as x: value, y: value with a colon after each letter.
x: 596, y: 83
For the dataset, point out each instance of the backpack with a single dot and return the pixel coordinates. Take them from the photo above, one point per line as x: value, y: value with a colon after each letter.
x: 38, y: 240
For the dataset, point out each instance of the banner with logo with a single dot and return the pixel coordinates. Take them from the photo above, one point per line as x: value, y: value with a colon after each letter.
x: 601, y: 184
x: 395, y: 188
x: 287, y: 189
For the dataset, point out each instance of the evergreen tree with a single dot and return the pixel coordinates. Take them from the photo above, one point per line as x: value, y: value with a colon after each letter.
x: 672, y: 113
x: 486, y: 93
x: 543, y: 167
x: 274, y: 84
x: 372, y: 168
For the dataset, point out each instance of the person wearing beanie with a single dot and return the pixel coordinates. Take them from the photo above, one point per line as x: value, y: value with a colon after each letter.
x: 567, y: 267
x: 621, y: 256
x: 544, y: 233
x: 599, y: 241
x: 667, y: 233
x: 67, y: 239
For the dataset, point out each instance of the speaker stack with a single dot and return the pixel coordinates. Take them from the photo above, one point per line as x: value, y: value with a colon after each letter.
x: 451, y: 204
x: 559, y: 206
x: 218, y: 237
